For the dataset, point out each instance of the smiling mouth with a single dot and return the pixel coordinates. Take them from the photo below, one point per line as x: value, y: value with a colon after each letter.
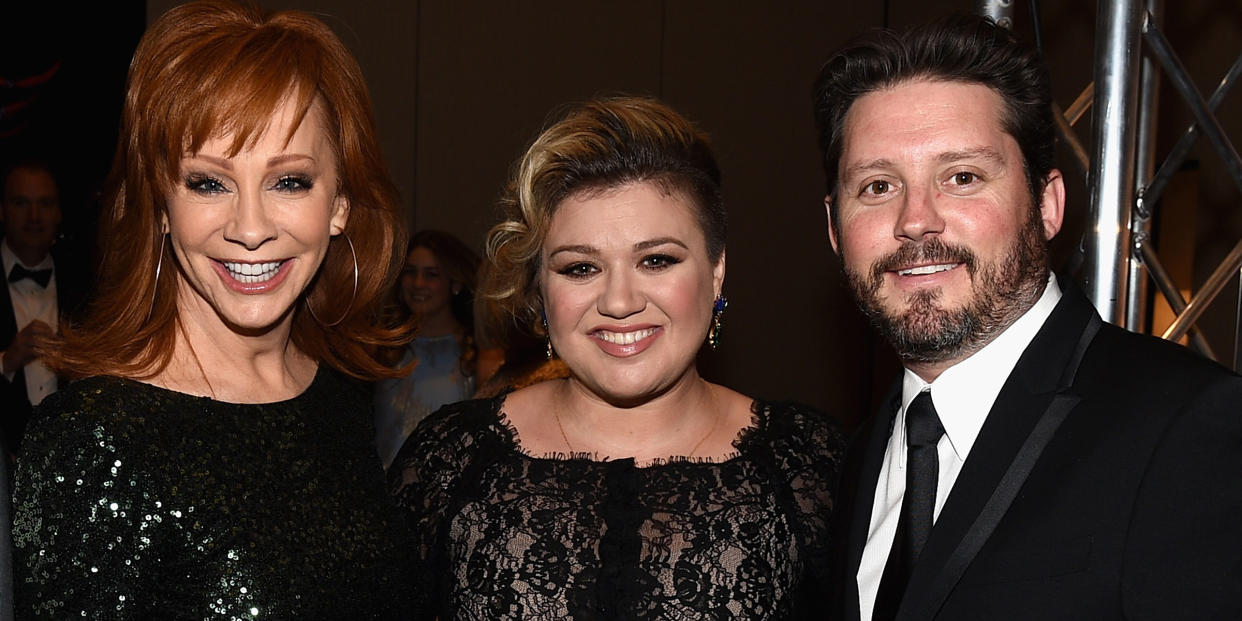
x: 924, y: 270
x: 251, y: 273
x: 624, y: 338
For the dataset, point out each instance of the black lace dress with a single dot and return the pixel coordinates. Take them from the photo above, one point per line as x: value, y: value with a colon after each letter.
x: 135, y: 502
x: 509, y: 536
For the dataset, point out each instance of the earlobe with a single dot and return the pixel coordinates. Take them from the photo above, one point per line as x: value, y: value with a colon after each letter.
x: 1052, y: 204
x: 340, y: 215
x: 164, y: 227
x: 718, y: 274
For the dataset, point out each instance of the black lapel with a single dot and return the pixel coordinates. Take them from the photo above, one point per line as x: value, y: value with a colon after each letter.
x: 8, y: 320
x: 1034, y: 400
x: 14, y: 402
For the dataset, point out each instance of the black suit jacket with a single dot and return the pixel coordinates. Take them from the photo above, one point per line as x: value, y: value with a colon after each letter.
x: 70, y: 294
x: 1106, y: 483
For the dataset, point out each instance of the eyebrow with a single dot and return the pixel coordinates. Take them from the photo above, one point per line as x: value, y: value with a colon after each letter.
x: 659, y: 241
x: 578, y: 249
x: 642, y: 245
x: 227, y: 164
x: 289, y: 157
x: 877, y: 164
x: 218, y: 161
x: 984, y: 153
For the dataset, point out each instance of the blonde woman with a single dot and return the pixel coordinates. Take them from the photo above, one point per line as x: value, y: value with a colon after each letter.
x: 633, y: 488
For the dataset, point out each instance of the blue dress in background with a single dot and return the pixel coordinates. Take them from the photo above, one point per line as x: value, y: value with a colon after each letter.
x: 437, y: 380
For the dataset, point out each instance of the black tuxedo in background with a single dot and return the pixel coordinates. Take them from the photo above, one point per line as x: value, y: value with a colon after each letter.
x: 1106, y: 483
x: 70, y: 294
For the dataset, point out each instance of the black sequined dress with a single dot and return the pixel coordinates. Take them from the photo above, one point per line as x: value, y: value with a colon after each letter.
x: 135, y: 502
x: 505, y: 535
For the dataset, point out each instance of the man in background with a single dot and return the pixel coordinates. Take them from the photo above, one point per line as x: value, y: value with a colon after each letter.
x: 38, y: 289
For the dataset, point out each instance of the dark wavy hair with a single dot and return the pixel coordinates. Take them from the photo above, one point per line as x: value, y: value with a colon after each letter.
x: 30, y: 164
x: 460, y: 265
x: 959, y: 48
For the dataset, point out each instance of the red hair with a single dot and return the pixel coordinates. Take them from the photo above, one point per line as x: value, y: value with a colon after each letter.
x: 213, y: 68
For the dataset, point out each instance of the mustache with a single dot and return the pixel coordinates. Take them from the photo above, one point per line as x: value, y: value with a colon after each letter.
x: 933, y: 250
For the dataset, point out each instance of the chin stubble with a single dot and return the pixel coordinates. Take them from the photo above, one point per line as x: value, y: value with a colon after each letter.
x: 927, y: 332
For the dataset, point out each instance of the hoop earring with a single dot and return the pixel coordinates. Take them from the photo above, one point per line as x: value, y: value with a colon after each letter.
x: 713, y: 333
x: 159, y: 265
x: 352, y: 297
x: 547, y: 336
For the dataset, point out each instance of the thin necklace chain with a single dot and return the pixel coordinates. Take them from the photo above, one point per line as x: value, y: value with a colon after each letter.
x: 556, y: 413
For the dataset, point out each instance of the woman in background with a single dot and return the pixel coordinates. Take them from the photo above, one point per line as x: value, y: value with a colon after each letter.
x: 436, y: 290
x: 633, y: 488
x: 219, y: 461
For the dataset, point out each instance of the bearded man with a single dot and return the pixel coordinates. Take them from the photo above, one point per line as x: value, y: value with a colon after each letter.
x: 1033, y: 462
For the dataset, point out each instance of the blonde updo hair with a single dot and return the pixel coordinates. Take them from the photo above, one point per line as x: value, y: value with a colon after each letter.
x: 593, y: 147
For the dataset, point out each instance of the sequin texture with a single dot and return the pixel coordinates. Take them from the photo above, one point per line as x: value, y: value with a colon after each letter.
x: 133, y: 501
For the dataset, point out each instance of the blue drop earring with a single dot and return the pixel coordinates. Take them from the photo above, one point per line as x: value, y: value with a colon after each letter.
x: 713, y: 332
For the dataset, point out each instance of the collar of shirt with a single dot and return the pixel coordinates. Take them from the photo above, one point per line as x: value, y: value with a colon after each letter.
x: 969, y: 388
x: 10, y: 259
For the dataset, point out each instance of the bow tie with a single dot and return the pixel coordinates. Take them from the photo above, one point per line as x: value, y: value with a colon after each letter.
x: 42, y: 277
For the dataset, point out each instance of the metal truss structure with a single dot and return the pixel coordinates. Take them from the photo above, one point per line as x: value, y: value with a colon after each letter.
x: 1124, y: 183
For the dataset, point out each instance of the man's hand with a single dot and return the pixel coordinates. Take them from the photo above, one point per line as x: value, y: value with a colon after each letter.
x: 22, y: 350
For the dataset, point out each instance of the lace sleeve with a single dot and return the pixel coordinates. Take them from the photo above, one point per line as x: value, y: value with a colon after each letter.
x: 77, y: 513
x: 425, y: 479
x: 809, y: 451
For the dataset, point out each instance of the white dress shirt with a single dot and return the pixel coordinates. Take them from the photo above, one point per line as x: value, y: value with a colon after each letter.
x: 963, y: 395
x: 31, y: 302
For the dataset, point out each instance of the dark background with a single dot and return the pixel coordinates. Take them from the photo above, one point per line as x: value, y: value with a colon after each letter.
x: 70, y: 120
x: 461, y: 87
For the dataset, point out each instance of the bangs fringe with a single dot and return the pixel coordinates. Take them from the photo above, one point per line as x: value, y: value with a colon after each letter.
x: 262, y: 69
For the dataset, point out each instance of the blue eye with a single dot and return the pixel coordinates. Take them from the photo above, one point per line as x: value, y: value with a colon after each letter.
x: 293, y: 183
x: 204, y: 184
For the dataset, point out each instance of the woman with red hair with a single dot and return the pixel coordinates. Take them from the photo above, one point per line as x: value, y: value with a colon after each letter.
x: 217, y: 460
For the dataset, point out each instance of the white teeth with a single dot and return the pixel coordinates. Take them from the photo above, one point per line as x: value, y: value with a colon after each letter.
x: 250, y: 273
x: 625, y: 338
x: 927, y: 269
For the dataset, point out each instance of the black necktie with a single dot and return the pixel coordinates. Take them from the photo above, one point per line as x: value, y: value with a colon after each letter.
x: 42, y: 277
x: 923, y: 431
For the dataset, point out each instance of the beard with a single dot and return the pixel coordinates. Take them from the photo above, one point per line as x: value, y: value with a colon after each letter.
x: 927, y: 332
